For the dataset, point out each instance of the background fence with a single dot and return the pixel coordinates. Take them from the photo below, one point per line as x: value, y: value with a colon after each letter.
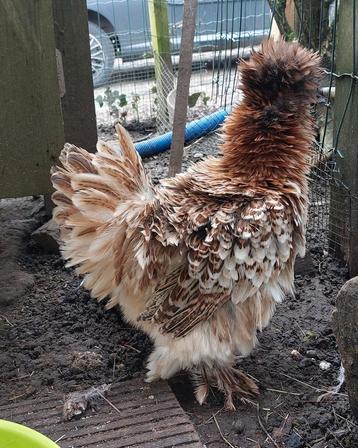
x: 224, y: 30
x: 139, y: 84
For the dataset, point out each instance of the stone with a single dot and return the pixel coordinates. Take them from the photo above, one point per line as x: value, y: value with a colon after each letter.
x: 239, y: 426
x: 324, y: 365
x: 345, y: 327
x: 295, y: 354
x: 47, y: 237
x: 311, y: 354
x: 294, y: 441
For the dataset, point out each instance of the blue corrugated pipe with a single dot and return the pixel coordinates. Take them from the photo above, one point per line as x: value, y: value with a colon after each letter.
x: 193, y: 130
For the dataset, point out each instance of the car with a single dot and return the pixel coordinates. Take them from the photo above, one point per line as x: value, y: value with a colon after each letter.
x: 121, y: 28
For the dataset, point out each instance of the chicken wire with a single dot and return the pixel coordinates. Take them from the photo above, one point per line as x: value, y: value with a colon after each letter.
x: 225, y: 31
x: 238, y: 26
x: 330, y: 226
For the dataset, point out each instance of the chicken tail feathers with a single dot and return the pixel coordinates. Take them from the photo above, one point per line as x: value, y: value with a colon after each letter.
x: 97, y: 198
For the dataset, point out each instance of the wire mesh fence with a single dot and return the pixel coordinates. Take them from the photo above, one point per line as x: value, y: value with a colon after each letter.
x: 129, y: 88
x: 225, y: 30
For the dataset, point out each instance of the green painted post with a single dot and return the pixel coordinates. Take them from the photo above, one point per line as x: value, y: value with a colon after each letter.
x: 159, y: 25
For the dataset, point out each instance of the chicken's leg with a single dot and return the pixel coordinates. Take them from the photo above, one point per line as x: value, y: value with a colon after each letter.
x: 229, y: 380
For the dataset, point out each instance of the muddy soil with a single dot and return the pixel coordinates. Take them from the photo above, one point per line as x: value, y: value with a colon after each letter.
x: 54, y: 337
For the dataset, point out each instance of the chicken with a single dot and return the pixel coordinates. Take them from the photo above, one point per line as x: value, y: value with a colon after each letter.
x: 200, y: 261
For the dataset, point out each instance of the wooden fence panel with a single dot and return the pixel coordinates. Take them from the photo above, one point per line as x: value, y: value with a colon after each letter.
x: 78, y: 110
x: 31, y: 126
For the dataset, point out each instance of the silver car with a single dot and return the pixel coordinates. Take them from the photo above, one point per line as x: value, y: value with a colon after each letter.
x: 120, y: 28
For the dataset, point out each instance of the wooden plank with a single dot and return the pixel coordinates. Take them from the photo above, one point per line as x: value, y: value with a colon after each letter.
x: 78, y: 109
x: 344, y: 207
x: 182, y: 93
x: 31, y: 126
x: 149, y: 416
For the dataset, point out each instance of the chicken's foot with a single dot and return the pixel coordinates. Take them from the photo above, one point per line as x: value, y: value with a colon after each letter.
x: 229, y: 380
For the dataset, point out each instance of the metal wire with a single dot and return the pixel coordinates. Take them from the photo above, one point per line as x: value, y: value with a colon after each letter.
x: 232, y: 28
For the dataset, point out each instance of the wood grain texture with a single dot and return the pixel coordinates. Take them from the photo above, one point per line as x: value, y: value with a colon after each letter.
x: 149, y: 416
x: 182, y: 93
x: 31, y: 126
x: 71, y: 34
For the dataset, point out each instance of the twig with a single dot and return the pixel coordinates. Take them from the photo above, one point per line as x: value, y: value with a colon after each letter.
x: 7, y: 320
x: 303, y: 383
x: 129, y: 346
x: 263, y: 427
x: 221, y: 434
x: 296, y: 323
x: 335, y: 437
x: 114, y: 366
x: 23, y: 376
x: 210, y: 418
x: 283, y: 392
x: 317, y: 389
x: 28, y: 393
x: 60, y: 438
x: 252, y: 440
x: 252, y: 377
x: 109, y: 402
x: 343, y: 418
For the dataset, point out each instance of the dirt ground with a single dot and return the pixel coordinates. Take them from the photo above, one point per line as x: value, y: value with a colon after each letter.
x: 54, y: 337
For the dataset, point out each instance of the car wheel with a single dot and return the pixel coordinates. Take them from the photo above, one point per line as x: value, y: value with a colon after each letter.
x: 102, y: 54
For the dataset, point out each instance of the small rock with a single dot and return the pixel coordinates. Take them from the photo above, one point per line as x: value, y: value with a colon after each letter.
x: 306, y: 362
x: 294, y: 441
x: 295, y: 354
x: 151, y: 397
x: 239, y: 426
x: 198, y: 155
x: 311, y: 353
x: 325, y: 420
x: 47, y: 237
x: 324, y: 365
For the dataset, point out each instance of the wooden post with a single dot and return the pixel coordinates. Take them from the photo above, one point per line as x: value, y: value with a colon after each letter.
x: 159, y: 25
x: 78, y: 109
x: 278, y: 9
x: 31, y: 126
x: 345, y: 326
x: 344, y: 206
x: 182, y: 93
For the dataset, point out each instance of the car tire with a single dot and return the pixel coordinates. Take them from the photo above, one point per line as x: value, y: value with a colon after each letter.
x: 102, y: 54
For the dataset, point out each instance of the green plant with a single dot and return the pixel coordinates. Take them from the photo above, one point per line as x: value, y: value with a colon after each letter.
x: 193, y: 99
x: 135, y: 101
x: 115, y: 102
x: 205, y: 98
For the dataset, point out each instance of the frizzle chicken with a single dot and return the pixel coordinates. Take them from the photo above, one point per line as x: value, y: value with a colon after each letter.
x: 200, y: 261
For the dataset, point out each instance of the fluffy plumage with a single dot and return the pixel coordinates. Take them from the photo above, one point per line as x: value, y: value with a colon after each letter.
x: 200, y: 261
